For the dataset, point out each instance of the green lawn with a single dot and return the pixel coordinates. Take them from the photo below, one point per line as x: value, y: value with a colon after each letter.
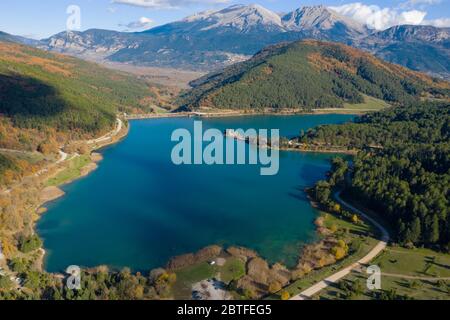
x: 233, y: 269
x: 186, y: 277
x: 370, y: 103
x: 414, y: 262
x: 71, y: 172
x: 409, y: 262
x: 416, y: 289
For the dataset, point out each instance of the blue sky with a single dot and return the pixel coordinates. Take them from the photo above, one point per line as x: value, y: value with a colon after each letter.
x: 38, y: 19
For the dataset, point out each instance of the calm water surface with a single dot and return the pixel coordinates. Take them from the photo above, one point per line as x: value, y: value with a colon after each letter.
x: 138, y: 209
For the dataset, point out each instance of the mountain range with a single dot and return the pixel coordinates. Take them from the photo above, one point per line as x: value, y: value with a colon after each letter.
x: 213, y: 39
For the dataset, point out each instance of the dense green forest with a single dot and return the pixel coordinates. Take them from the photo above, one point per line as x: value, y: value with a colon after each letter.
x: 403, y: 171
x: 306, y: 75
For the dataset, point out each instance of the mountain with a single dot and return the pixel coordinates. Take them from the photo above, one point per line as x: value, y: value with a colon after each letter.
x: 414, y: 33
x: 321, y: 20
x: 216, y: 38
x: 206, y: 40
x: 18, y: 39
x: 95, y: 43
x: 421, y: 48
x: 310, y: 74
x: 210, y: 39
x: 245, y: 19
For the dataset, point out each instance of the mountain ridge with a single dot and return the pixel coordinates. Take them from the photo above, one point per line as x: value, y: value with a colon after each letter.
x: 280, y: 77
x: 216, y: 38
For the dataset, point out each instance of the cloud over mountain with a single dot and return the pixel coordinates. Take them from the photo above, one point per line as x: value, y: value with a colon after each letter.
x: 142, y: 23
x: 379, y: 18
x: 168, y: 4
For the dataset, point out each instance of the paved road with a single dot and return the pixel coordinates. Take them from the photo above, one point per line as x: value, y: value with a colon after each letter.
x: 308, y: 293
x: 63, y: 157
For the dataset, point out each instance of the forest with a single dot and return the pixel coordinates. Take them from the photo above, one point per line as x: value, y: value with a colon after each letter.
x: 402, y: 171
x: 308, y: 75
x: 48, y: 99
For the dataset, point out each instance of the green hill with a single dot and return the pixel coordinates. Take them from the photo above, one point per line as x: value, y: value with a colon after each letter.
x: 40, y: 89
x: 48, y: 98
x: 307, y: 75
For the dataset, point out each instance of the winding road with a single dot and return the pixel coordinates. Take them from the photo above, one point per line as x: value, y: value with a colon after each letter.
x: 109, y: 135
x: 311, y: 291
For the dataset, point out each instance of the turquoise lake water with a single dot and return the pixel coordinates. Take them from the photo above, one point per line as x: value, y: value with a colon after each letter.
x: 138, y: 209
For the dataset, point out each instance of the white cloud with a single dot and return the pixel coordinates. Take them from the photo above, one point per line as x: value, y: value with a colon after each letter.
x: 142, y: 23
x: 167, y: 4
x: 380, y: 18
x: 422, y: 2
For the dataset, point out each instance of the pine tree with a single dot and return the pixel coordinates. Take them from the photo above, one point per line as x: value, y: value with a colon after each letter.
x: 416, y: 230
x: 433, y: 235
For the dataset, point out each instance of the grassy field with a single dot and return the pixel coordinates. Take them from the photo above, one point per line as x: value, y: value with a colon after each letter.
x: 370, y: 103
x: 414, y: 262
x: 187, y: 277
x: 406, y: 272
x: 415, y: 265
x: 71, y: 172
x: 233, y: 269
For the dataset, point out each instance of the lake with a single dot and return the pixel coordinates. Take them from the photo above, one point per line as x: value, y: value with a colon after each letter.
x: 139, y: 209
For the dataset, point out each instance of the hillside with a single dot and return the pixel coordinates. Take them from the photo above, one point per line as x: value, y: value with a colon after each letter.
x: 40, y: 89
x: 309, y: 74
x: 48, y: 99
x: 420, y: 48
x: 402, y: 171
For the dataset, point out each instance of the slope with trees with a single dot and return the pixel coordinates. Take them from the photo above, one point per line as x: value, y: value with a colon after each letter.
x: 309, y: 74
x: 402, y: 171
x: 47, y: 100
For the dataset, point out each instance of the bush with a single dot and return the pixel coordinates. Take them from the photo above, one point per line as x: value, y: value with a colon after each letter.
x: 285, y: 295
x: 29, y: 244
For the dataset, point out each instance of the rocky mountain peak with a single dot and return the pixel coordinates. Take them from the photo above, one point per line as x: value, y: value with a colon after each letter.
x: 319, y: 17
x: 244, y: 18
x: 414, y: 33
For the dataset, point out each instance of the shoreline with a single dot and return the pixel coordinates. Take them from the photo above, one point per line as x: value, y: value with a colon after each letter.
x: 226, y: 114
x: 56, y: 192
